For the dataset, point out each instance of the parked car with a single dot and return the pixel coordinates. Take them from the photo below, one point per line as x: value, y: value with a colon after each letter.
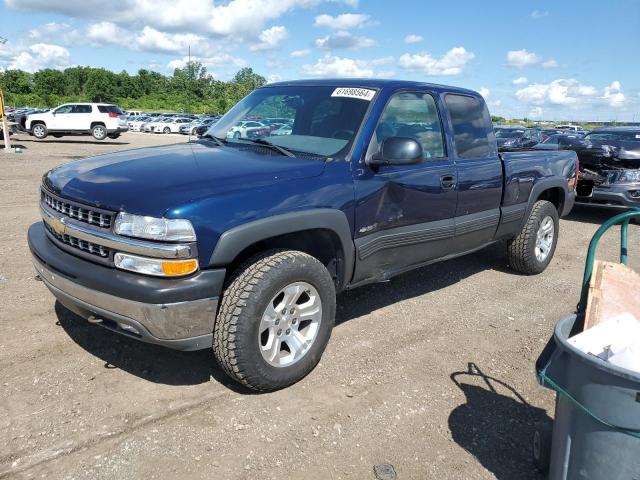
x: 242, y: 128
x: 563, y: 141
x: 202, y: 129
x: 573, y: 128
x: 100, y: 120
x: 190, y: 128
x: 516, y: 138
x: 285, y: 129
x: 241, y: 245
x: 610, y: 168
x: 170, y: 125
x: 150, y: 125
x: 135, y: 125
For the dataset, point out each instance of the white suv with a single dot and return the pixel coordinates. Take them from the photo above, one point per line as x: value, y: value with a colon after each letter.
x: 98, y: 119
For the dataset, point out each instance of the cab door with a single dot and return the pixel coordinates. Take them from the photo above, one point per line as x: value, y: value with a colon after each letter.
x: 404, y: 215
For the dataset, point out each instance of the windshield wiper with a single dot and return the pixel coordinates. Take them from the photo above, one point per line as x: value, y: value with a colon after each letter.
x: 267, y: 143
x: 219, y: 141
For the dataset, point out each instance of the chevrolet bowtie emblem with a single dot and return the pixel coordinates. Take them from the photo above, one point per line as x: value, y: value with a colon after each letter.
x: 57, y: 225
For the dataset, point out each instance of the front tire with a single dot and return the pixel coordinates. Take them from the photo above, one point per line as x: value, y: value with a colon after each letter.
x: 99, y: 132
x: 532, y: 250
x: 40, y: 131
x: 275, y: 320
x: 237, y: 135
x: 166, y: 130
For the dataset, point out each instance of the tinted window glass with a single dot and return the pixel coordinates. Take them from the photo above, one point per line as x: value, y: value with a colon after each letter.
x: 81, y: 109
x: 64, y: 109
x: 471, y: 125
x: 109, y: 109
x: 413, y: 115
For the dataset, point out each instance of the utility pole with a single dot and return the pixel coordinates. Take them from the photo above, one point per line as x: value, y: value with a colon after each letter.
x: 5, y: 126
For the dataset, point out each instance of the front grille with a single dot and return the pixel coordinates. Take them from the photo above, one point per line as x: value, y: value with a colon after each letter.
x: 83, y: 245
x: 82, y: 213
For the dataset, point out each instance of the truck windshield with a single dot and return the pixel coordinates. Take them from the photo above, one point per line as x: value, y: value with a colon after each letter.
x: 508, y: 133
x: 315, y: 120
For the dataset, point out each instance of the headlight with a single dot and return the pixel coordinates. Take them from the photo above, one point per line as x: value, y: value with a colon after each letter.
x: 167, y: 229
x: 510, y: 141
x: 155, y: 266
x: 629, y: 176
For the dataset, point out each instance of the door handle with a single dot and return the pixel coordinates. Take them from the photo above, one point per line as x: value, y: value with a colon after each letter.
x: 447, y: 182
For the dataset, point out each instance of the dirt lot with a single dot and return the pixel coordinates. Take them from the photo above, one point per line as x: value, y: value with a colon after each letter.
x: 431, y: 372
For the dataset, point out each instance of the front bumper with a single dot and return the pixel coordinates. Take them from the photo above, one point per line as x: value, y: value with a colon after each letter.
x: 613, y: 197
x: 175, y: 313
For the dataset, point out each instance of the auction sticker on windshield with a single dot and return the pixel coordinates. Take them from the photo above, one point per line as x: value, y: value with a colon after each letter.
x: 361, y: 93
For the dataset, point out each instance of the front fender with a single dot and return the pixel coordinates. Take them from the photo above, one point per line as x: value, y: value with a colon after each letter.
x: 235, y: 240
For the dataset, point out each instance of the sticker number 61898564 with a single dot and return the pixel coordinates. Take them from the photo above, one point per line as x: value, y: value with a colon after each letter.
x: 361, y: 93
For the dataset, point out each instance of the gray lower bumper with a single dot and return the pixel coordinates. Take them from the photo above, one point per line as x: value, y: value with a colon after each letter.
x: 174, y: 325
x: 616, y: 197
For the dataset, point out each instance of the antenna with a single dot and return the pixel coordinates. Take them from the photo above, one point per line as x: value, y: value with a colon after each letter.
x: 3, y: 40
x: 189, y: 90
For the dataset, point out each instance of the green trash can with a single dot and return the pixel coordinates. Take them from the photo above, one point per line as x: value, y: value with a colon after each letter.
x: 596, y: 430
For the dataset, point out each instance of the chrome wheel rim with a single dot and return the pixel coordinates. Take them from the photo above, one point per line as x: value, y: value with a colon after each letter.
x: 38, y: 131
x: 544, y: 238
x: 290, y: 324
x: 98, y: 132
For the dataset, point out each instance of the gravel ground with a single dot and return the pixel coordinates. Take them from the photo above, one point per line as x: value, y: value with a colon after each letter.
x: 431, y: 372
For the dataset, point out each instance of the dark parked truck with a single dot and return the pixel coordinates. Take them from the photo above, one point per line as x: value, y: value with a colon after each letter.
x: 242, y: 244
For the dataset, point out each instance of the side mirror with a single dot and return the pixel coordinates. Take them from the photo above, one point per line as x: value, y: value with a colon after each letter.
x: 398, y: 151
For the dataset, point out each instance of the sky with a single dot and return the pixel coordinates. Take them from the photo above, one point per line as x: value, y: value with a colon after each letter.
x: 571, y: 60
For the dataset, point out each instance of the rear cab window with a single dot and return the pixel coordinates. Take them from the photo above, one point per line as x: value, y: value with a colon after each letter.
x: 472, y: 128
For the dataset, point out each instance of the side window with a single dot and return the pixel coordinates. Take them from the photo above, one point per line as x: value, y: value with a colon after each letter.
x: 64, y: 109
x: 471, y: 125
x: 413, y: 115
x: 81, y: 109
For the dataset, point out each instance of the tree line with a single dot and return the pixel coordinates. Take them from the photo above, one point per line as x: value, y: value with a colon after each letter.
x: 189, y: 89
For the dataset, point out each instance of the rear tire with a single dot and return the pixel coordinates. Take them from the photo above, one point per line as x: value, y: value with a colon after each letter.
x: 257, y: 338
x: 39, y: 131
x: 99, y: 132
x: 532, y: 250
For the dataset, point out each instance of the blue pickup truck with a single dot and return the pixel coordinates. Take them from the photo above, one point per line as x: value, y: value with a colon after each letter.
x: 240, y: 244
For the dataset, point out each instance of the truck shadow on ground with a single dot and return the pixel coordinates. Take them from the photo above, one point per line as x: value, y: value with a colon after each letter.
x: 150, y: 362
x: 364, y: 300
x: 495, y: 425
x: 76, y: 142
x: 162, y: 365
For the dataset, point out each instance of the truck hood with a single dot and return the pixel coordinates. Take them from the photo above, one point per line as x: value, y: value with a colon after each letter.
x: 149, y: 181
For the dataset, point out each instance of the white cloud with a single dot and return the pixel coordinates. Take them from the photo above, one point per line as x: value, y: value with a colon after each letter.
x: 521, y: 58
x: 558, y: 92
x: 345, y: 21
x: 451, y: 63
x: 235, y: 17
x: 41, y: 55
x: 300, y: 53
x: 107, y: 33
x: 273, y: 78
x: 551, y: 63
x: 536, y: 112
x: 333, y: 66
x: 344, y: 40
x: 538, y: 14
x: 270, y: 38
x: 613, y: 94
x: 519, y: 81
x: 413, y: 38
x: 484, y: 91
x: 152, y: 40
